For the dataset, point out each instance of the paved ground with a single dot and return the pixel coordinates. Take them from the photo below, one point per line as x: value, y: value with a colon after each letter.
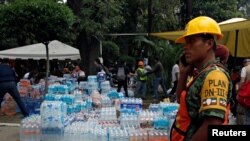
x: 9, y: 129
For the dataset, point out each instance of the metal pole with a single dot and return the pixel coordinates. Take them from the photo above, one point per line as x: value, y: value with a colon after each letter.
x: 100, y: 48
x: 236, y: 46
x: 47, y: 68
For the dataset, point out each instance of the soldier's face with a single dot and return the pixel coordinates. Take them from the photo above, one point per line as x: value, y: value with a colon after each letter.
x: 194, y: 49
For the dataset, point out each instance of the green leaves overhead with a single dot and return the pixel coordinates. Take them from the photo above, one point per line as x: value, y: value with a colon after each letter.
x: 220, y: 10
x: 99, y: 17
x: 31, y: 21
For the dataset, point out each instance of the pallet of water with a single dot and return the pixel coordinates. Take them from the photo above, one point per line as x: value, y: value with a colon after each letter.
x: 131, y: 105
x: 30, y: 128
x: 92, y: 78
x: 105, y: 87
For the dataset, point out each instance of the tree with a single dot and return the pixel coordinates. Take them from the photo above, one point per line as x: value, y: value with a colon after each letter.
x: 110, y: 52
x: 30, y: 21
x: 94, y: 18
x: 244, y: 7
x: 219, y: 10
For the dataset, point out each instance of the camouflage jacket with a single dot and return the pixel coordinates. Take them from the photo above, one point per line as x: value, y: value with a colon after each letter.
x: 196, y: 103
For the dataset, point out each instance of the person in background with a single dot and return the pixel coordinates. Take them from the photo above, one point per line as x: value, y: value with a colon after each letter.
x: 199, y: 107
x: 66, y: 70
x: 26, y: 75
x: 141, y: 80
x: 33, y: 76
x: 78, y: 73
x: 243, y: 112
x: 175, y: 76
x: 101, y: 73
x: 8, y: 85
x: 158, y: 80
x: 100, y: 67
x: 122, y: 72
x: 235, y: 77
x: 222, y: 54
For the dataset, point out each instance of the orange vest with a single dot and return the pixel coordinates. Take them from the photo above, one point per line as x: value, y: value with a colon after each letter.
x: 183, y: 120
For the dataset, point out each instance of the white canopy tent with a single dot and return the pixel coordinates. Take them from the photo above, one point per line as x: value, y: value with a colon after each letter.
x: 49, y: 51
x: 57, y: 50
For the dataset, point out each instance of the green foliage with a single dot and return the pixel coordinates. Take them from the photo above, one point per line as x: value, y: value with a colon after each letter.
x: 244, y: 7
x: 31, y: 21
x: 220, y: 10
x: 99, y: 17
x: 164, y: 15
x: 110, y: 52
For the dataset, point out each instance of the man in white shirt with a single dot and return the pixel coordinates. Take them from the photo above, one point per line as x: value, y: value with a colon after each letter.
x: 243, y: 71
x: 175, y: 77
x: 78, y: 73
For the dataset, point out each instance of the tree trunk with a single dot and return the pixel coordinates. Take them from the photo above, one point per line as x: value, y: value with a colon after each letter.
x: 89, y: 51
x: 150, y: 16
x: 188, y: 10
x: 88, y: 47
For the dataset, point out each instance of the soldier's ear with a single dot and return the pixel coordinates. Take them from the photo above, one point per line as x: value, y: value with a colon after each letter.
x: 209, y: 43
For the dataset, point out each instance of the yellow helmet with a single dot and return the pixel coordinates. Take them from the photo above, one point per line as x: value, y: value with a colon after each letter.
x: 200, y: 25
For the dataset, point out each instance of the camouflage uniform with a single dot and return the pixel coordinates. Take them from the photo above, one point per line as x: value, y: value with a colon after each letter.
x: 193, y: 100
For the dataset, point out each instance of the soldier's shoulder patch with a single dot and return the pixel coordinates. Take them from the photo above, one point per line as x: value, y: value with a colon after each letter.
x: 214, y: 91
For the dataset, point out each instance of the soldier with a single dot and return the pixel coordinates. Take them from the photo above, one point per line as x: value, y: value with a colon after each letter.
x: 205, y: 99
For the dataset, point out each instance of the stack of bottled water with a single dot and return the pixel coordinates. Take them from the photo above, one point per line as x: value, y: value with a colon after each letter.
x: 117, y: 134
x: 146, y: 118
x: 78, y: 95
x: 30, y: 128
x: 106, y: 101
x: 32, y: 105
x: 129, y: 120
x: 89, y: 131
x: 169, y: 110
x: 105, y: 87
x: 154, y: 107
x: 158, y: 135
x: 92, y: 86
x: 67, y: 98
x: 92, y: 83
x: 113, y: 94
x: 169, y: 107
x: 131, y: 105
x: 53, y: 115
x: 71, y: 83
x: 70, y: 100
x: 139, y: 135
x: 161, y: 123
x: 92, y: 78
x: 37, y: 91
x: 69, y: 119
x: 83, y: 85
x: 108, y: 114
x: 58, y: 89
x: 98, y: 134
x: 108, y: 124
x: 89, y: 103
